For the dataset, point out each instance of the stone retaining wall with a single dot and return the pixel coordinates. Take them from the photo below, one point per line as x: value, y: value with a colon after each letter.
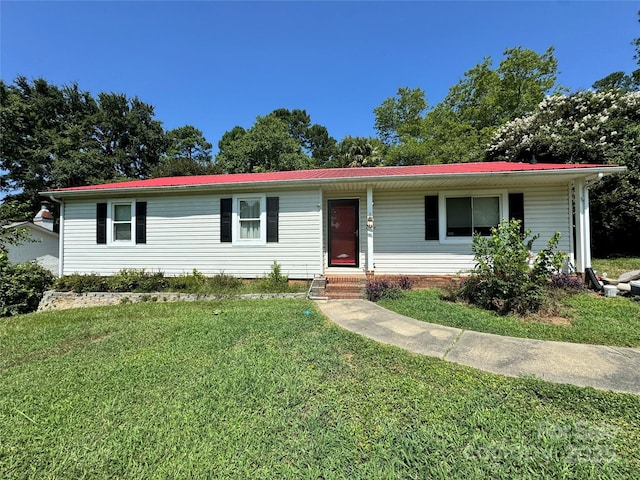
x: 53, y: 300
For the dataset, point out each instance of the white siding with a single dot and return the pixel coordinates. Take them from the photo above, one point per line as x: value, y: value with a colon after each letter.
x: 400, y: 247
x: 43, y: 249
x: 546, y: 211
x: 183, y: 233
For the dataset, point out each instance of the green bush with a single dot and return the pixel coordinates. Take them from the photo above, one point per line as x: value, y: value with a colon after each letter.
x: 503, y: 280
x: 21, y: 286
x: 81, y: 283
x: 274, y: 281
x: 132, y: 280
x: 223, y: 282
x: 197, y: 282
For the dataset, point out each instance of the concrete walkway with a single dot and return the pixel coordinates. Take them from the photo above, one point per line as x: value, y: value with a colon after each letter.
x: 605, y: 368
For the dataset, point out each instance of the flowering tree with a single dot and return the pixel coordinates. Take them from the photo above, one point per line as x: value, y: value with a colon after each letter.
x: 587, y: 127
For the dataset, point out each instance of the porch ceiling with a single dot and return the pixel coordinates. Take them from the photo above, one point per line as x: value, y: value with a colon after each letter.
x: 457, y: 182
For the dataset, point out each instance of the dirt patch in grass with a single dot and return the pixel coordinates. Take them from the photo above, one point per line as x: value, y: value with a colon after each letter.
x: 549, y: 319
x: 64, y: 347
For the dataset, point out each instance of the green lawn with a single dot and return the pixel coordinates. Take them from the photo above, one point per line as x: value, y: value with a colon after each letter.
x: 614, y: 267
x: 259, y: 389
x: 593, y: 319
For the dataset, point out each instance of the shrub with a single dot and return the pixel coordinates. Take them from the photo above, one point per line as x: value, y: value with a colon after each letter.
x: 405, y: 283
x: 274, y: 281
x: 132, y: 280
x: 382, y: 289
x: 21, y: 286
x: 564, y: 281
x: 223, y: 282
x: 91, y: 282
x: 80, y: 283
x: 197, y: 282
x: 503, y: 280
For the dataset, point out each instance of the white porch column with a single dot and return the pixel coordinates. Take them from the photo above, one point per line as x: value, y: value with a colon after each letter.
x: 369, y: 229
x: 583, y: 230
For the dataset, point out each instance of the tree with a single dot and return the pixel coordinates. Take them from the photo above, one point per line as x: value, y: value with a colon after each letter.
x: 127, y: 136
x: 445, y: 138
x: 189, y: 142
x: 57, y: 137
x: 458, y: 128
x: 358, y: 152
x: 282, y: 140
x: 400, y: 116
x: 265, y: 147
x: 587, y: 127
x: 620, y: 80
x: 188, y: 153
x: 314, y: 139
x: 584, y: 127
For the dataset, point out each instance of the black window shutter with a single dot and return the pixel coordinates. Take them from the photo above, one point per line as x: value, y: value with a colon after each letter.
x: 431, y: 225
x: 226, y: 205
x: 101, y: 223
x: 516, y: 208
x: 141, y: 222
x: 273, y: 207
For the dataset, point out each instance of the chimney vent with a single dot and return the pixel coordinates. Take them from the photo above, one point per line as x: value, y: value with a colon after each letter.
x: 44, y: 218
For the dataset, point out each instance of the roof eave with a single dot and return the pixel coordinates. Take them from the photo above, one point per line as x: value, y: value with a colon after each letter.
x: 587, y: 172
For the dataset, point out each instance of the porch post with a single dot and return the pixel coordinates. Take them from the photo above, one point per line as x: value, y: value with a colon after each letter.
x: 572, y: 224
x: 370, y: 227
x: 583, y: 231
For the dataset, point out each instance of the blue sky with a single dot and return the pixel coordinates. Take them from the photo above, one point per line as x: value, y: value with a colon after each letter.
x: 215, y: 65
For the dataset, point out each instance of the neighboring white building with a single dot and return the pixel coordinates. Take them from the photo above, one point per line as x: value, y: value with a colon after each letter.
x: 415, y: 220
x: 42, y: 243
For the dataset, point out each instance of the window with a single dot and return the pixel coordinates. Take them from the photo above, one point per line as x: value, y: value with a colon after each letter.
x: 469, y: 215
x: 121, y: 223
x: 249, y: 220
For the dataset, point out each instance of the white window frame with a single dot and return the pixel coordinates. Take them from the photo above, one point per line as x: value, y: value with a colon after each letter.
x: 235, y: 231
x: 111, y: 222
x: 503, y: 202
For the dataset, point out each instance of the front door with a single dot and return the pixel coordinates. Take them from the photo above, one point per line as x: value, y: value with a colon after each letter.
x: 343, y: 233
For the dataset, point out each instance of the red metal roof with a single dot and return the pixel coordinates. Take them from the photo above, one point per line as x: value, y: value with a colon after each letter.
x: 334, y: 173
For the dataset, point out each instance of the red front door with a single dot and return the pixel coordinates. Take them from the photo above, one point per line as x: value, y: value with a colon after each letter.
x: 343, y: 233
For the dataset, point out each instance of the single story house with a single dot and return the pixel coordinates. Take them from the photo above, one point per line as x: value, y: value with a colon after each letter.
x: 410, y: 220
x: 41, y: 244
